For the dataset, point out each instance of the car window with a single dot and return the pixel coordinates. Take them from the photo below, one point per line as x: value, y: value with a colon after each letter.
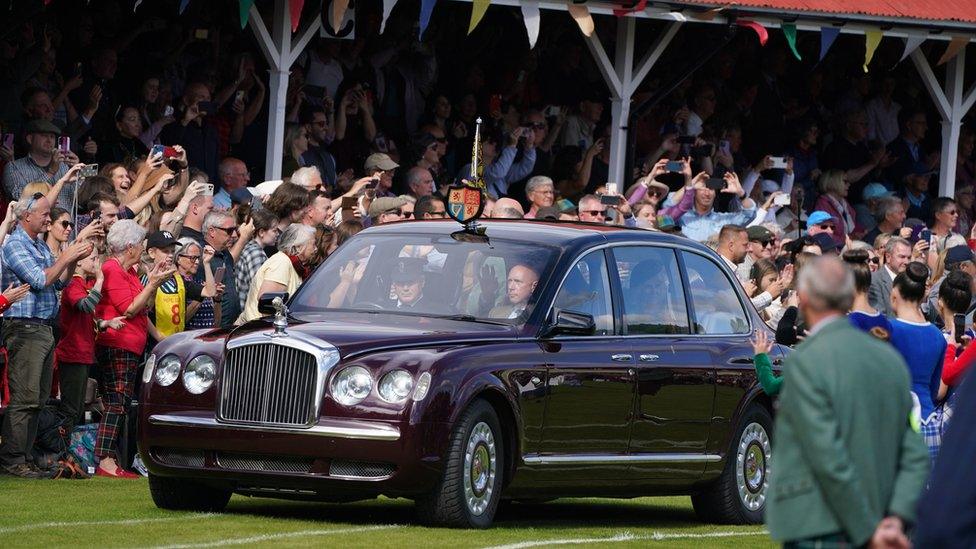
x: 586, y: 290
x: 654, y: 302
x: 717, y: 306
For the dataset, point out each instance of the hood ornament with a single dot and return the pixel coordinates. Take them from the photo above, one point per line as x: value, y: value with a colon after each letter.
x: 281, y: 317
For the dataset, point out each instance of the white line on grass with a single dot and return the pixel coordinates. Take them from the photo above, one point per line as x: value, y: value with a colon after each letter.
x: 271, y: 537
x: 626, y: 536
x: 124, y: 522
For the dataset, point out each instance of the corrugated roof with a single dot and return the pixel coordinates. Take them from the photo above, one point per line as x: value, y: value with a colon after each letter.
x: 925, y: 10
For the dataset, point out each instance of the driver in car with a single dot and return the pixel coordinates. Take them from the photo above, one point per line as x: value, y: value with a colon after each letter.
x: 522, y: 281
x: 408, y: 284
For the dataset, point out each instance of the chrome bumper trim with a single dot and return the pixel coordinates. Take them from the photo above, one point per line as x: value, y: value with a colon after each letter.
x: 576, y: 459
x: 345, y: 429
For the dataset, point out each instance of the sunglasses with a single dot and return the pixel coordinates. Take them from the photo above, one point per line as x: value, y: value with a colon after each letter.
x: 67, y: 224
x: 34, y: 198
x: 228, y: 230
x: 764, y: 244
x: 875, y: 260
x: 594, y: 212
x: 407, y: 215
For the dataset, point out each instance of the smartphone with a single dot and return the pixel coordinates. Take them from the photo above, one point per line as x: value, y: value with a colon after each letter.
x: 610, y: 199
x: 90, y: 170
x: 779, y: 163
x: 336, y: 217
x: 207, y: 107
x: 219, y: 274
x: 208, y: 189
x: 725, y: 146
x: 716, y: 184
x: 612, y: 188
x: 371, y: 186
x: 96, y: 214
x: 551, y: 111
x: 959, y: 323
x: 167, y: 152
x: 495, y: 104
x: 675, y: 166
x: 201, y: 34
x: 64, y: 144
x: 925, y: 235
x: 8, y: 140
x: 686, y: 139
x: 168, y: 111
x: 782, y: 200
x: 239, y: 96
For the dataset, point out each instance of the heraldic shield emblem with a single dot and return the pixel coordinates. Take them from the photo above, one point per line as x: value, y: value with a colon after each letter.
x: 465, y: 203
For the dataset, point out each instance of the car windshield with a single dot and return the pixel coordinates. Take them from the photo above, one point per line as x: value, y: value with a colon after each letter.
x: 425, y: 274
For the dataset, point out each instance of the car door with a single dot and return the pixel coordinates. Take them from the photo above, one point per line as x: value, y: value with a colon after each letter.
x: 675, y: 391
x: 721, y: 322
x: 590, y: 383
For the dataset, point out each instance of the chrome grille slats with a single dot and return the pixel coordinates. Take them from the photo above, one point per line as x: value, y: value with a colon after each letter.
x: 360, y: 469
x: 180, y: 457
x: 264, y: 463
x: 269, y: 383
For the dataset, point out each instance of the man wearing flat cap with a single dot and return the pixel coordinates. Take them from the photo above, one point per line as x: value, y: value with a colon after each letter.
x: 386, y: 210
x: 408, y: 284
x: 43, y: 163
x: 760, y: 247
x: 382, y: 167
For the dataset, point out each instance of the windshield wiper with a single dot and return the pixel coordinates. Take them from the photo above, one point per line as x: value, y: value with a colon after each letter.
x: 472, y: 318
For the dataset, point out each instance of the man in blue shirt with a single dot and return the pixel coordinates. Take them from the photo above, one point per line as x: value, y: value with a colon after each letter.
x: 703, y: 221
x: 28, y: 326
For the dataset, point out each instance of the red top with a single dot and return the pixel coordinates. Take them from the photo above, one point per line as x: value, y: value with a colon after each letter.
x: 118, y: 292
x: 77, y: 343
x: 954, y: 367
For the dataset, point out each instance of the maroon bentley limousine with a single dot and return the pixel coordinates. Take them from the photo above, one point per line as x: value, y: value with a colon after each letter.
x: 529, y: 361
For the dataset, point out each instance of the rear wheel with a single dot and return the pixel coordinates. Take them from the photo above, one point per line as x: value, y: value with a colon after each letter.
x: 185, y: 495
x: 468, y: 493
x: 739, y: 494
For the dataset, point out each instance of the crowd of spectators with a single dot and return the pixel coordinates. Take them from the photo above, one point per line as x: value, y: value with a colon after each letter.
x: 132, y: 151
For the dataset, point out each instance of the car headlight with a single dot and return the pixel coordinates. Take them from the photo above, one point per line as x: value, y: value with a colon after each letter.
x: 423, y: 385
x: 396, y: 386
x: 168, y: 371
x: 199, y: 374
x: 147, y: 370
x: 352, y: 385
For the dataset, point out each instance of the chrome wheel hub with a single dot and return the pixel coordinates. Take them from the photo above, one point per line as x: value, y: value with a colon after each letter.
x: 752, y: 466
x: 480, y: 457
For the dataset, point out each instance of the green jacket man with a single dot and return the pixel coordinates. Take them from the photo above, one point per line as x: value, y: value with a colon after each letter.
x: 845, y: 456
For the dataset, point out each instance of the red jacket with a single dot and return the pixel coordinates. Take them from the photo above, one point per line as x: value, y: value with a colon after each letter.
x: 77, y: 343
x: 118, y: 292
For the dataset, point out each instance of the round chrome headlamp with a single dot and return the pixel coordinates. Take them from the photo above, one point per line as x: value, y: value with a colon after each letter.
x: 199, y: 374
x: 352, y: 385
x: 396, y: 386
x: 147, y: 370
x: 168, y: 370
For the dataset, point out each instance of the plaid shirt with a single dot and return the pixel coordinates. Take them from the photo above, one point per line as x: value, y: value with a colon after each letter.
x: 19, y: 173
x: 24, y: 262
x: 251, y: 259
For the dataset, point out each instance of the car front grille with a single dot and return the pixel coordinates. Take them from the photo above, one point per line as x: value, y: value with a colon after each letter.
x: 360, y: 469
x: 268, y: 383
x: 180, y: 457
x: 264, y: 463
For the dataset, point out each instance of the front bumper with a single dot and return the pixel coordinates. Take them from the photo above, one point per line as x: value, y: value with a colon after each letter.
x: 333, y: 459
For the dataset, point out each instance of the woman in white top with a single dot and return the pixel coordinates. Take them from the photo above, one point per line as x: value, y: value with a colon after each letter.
x: 284, y: 271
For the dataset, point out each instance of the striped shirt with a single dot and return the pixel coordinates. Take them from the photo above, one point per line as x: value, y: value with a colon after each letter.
x: 23, y: 171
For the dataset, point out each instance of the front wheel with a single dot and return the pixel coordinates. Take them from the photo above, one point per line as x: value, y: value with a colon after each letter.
x: 184, y: 495
x: 468, y: 493
x: 739, y: 494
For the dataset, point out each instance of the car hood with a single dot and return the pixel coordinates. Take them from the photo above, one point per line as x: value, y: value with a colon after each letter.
x: 357, y: 332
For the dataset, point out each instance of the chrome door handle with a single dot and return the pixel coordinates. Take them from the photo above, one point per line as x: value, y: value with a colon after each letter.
x: 622, y: 357
x: 649, y: 358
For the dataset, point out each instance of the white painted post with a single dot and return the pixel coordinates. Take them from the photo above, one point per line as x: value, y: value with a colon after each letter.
x: 620, y: 102
x: 955, y: 72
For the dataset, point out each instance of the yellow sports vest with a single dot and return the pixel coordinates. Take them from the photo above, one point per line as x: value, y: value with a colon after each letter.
x: 170, y: 312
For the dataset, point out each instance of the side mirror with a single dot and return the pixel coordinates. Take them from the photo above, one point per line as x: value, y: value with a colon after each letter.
x: 266, y: 303
x: 570, y: 323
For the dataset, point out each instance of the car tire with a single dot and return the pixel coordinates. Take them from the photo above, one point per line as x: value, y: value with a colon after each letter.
x: 739, y: 495
x: 184, y: 495
x: 468, y: 493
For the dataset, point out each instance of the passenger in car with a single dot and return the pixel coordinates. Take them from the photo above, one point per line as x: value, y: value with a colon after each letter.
x: 522, y: 281
x: 650, y: 294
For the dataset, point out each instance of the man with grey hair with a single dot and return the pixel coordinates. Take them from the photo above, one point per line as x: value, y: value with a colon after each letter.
x: 541, y: 193
x: 849, y: 466
x: 28, y: 326
x: 233, y: 175
x: 507, y: 208
x: 308, y: 178
x: 890, y: 215
x: 220, y: 232
x: 420, y: 182
x: 898, y: 253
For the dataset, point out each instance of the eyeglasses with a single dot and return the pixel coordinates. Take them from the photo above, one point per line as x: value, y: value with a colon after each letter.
x: 545, y: 191
x: 407, y: 215
x: 228, y: 230
x: 764, y: 244
x: 951, y: 212
x: 875, y: 260
x: 594, y: 212
x: 67, y: 224
x: 192, y: 258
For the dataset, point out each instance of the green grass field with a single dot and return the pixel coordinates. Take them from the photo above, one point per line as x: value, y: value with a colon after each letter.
x: 119, y: 513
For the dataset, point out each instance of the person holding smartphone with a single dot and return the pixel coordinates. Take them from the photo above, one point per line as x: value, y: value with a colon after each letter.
x: 43, y: 162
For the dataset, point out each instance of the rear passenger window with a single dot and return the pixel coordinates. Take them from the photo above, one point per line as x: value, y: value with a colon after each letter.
x: 586, y: 290
x: 654, y: 302
x: 717, y: 307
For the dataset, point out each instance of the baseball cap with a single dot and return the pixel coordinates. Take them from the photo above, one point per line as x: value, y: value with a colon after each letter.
x: 408, y: 269
x: 39, y: 125
x: 875, y: 190
x: 380, y: 161
x: 959, y: 254
x: 566, y: 205
x: 160, y: 239
x: 819, y: 217
x: 825, y: 241
x: 549, y: 213
x: 385, y: 204
x: 759, y: 233
x: 665, y: 223
x: 241, y: 196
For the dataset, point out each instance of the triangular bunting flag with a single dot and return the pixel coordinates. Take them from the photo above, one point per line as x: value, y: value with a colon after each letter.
x: 911, y: 44
x: 958, y: 43
x: 871, y: 40
x: 531, y: 16
x: 760, y: 30
x: 639, y: 6
x: 295, y: 11
x: 183, y: 5
x: 789, y: 30
x: 426, y: 10
x: 338, y: 13
x: 478, y: 9
x: 827, y: 37
x: 245, y: 11
x: 583, y: 18
x: 707, y: 15
x: 387, y: 10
